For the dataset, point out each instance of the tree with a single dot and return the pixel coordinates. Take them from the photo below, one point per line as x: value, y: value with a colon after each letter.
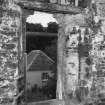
x: 52, y: 27
x: 50, y: 88
x: 51, y: 50
x: 51, y: 85
x: 52, y: 81
x: 34, y: 27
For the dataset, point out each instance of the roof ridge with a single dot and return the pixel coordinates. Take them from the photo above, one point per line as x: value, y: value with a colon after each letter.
x: 47, y: 56
x: 35, y: 56
x: 40, y: 51
x: 32, y: 59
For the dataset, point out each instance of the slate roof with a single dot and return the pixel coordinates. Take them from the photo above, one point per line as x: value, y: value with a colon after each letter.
x: 37, y: 60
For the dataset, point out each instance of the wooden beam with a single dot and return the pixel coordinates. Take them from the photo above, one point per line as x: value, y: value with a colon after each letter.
x: 48, y: 7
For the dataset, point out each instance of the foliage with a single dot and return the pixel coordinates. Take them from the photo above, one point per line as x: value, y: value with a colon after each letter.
x: 50, y: 87
x: 44, y: 43
x: 52, y: 27
x: 51, y: 50
x: 34, y: 27
x: 35, y: 95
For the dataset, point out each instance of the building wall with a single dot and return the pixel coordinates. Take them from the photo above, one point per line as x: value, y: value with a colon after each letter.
x: 11, y: 53
x: 10, y: 27
x: 86, y: 93
x: 35, y: 77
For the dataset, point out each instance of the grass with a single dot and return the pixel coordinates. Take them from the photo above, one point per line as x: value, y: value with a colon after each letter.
x: 36, y: 96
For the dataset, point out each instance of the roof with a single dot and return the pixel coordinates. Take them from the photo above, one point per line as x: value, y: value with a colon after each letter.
x: 37, y: 60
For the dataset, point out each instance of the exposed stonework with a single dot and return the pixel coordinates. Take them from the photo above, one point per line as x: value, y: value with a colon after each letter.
x: 11, y: 52
x: 98, y: 42
x: 48, y: 7
x: 78, y: 91
x: 92, y: 91
x: 68, y: 54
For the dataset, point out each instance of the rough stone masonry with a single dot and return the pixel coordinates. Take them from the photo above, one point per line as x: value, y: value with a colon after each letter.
x: 11, y: 55
x: 74, y: 88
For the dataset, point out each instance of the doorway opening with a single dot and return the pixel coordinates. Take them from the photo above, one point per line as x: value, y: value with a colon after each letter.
x: 41, y: 49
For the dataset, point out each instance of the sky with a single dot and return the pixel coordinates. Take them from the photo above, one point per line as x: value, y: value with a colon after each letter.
x: 39, y: 17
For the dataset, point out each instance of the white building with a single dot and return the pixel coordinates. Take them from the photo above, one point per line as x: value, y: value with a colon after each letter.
x: 39, y: 68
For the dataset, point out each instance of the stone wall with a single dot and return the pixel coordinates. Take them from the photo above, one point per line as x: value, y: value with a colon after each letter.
x: 98, y: 43
x: 73, y: 86
x: 11, y: 54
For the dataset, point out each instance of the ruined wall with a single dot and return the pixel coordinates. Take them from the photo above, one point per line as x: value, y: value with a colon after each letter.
x: 77, y: 86
x: 11, y: 54
x: 98, y: 52
x: 70, y: 84
x: 73, y: 87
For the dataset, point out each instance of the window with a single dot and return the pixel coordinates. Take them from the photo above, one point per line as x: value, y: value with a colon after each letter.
x: 45, y: 76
